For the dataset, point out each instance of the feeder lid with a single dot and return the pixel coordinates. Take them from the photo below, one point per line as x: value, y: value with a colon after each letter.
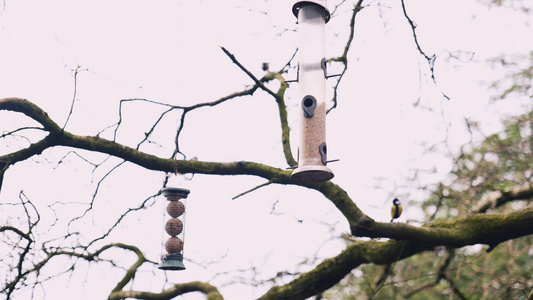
x: 171, y: 191
x: 322, y: 3
x: 312, y: 173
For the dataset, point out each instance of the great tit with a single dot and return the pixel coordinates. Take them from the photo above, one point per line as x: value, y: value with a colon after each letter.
x: 396, y: 209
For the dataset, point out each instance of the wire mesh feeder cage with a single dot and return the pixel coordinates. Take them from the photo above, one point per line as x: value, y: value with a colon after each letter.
x: 173, y: 259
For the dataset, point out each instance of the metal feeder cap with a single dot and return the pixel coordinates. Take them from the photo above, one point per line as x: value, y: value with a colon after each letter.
x: 312, y: 173
x: 170, y: 191
x: 299, y: 4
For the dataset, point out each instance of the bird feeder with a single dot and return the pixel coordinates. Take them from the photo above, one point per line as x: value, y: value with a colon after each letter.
x: 312, y: 152
x: 173, y: 259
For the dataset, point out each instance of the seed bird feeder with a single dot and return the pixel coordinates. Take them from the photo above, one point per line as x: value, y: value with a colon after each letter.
x: 312, y: 74
x: 173, y: 260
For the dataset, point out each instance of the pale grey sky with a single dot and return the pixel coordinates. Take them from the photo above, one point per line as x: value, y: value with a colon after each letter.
x: 168, y: 51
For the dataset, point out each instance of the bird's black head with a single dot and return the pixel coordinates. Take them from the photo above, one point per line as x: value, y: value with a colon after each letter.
x: 396, y: 201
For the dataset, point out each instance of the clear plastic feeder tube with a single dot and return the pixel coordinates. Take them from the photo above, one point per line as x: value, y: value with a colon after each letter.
x: 312, y: 151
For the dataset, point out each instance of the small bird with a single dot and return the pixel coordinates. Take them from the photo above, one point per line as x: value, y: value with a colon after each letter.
x: 396, y: 209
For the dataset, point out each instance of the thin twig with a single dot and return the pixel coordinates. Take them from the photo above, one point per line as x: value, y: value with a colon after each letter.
x: 344, y: 57
x: 430, y: 59
x: 76, y: 72
x: 251, y: 190
x: 257, y: 81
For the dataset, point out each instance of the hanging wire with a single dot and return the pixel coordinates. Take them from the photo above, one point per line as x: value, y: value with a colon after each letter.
x: 179, y: 85
x: 179, y: 91
x: 163, y: 202
x: 179, y: 95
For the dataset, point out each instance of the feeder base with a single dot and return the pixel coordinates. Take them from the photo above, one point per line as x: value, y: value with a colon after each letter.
x: 171, y: 262
x: 312, y: 173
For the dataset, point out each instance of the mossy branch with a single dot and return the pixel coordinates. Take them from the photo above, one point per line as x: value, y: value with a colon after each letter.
x: 133, y: 269
x: 151, y: 162
x: 490, y: 229
x: 332, y: 270
x: 210, y: 291
x: 484, y: 229
x: 469, y: 230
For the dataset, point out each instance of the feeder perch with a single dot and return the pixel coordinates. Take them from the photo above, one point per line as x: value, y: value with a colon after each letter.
x: 312, y: 152
x: 173, y: 259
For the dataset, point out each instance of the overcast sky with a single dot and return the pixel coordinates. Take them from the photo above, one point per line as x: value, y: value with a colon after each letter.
x: 168, y: 51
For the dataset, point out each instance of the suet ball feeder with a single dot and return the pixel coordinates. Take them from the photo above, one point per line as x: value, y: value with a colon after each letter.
x: 173, y: 260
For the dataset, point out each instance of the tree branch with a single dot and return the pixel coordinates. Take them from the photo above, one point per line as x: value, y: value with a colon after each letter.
x: 344, y: 57
x: 31, y: 110
x: 331, y: 271
x: 257, y: 81
x: 430, y: 59
x: 485, y: 229
x: 282, y: 109
x: 133, y: 269
x: 17, y: 231
x: 280, y: 100
x: 475, y: 229
x: 441, y: 275
x: 445, y: 233
x: 210, y: 291
x: 247, y: 92
x: 495, y: 199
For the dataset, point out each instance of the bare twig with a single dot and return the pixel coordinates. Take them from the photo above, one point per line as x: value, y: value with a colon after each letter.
x: 344, y: 56
x: 76, y: 72
x: 430, y: 59
x: 252, y: 189
x: 257, y: 81
x: 221, y: 100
